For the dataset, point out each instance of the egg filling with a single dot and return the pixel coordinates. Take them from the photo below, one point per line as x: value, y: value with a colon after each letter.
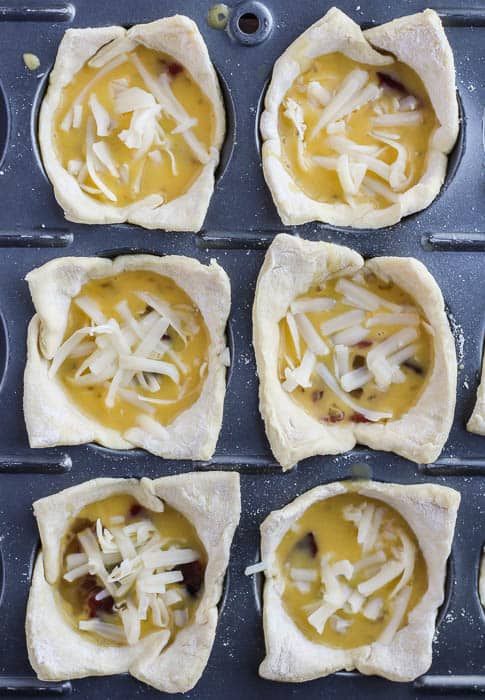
x: 128, y: 571
x: 133, y: 125
x: 352, y: 570
x: 356, y: 134
x: 135, y: 351
x: 355, y: 350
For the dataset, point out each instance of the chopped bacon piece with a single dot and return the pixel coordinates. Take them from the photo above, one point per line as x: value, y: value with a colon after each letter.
x: 135, y: 510
x: 88, y: 582
x: 317, y: 395
x: 175, y: 68
x: 96, y: 606
x: 358, y: 361
x: 364, y: 344
x: 359, y: 418
x: 193, y: 574
x: 309, y: 544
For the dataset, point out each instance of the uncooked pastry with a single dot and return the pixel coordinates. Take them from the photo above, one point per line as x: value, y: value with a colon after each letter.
x: 53, y: 419
x: 418, y: 41
x: 430, y: 511
x: 291, y: 266
x: 177, y: 36
x: 211, y: 502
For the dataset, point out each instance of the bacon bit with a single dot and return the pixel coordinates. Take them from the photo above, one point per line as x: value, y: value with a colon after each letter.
x: 414, y: 366
x: 333, y: 419
x: 359, y: 418
x: 317, y: 396
x: 135, y: 510
x: 193, y: 574
x: 388, y: 81
x: 363, y: 344
x: 335, y: 415
x: 88, y: 582
x: 96, y: 606
x: 309, y: 544
x: 175, y: 68
x: 358, y: 361
x: 165, y: 336
x: 357, y: 393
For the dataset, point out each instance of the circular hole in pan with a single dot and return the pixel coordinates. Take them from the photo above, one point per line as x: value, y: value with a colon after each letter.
x: 250, y: 23
x: 232, y: 351
x: 33, y: 558
x: 456, y: 154
x: 454, y: 160
x: 224, y: 593
x: 3, y: 349
x: 2, y: 577
x: 227, y: 147
x: 480, y: 563
x: 448, y: 592
x: 4, y: 123
x: 258, y: 583
x: 34, y: 121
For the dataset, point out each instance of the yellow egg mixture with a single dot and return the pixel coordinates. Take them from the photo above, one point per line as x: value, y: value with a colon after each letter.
x: 158, y: 177
x: 76, y: 598
x: 330, y: 71
x: 332, y: 534
x: 320, y: 401
x: 108, y: 292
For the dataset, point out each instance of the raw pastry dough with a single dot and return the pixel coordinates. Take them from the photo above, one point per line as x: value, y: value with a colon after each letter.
x: 211, y: 501
x: 176, y: 36
x: 419, y: 42
x: 290, y: 656
x: 476, y: 424
x: 292, y: 265
x: 53, y: 419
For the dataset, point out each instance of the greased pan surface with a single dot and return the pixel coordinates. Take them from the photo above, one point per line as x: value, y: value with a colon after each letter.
x: 449, y: 237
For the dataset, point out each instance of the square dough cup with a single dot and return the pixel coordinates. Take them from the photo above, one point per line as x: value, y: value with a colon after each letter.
x: 290, y: 267
x: 53, y: 419
x: 417, y: 40
x: 430, y: 511
x: 211, y: 502
x: 177, y: 36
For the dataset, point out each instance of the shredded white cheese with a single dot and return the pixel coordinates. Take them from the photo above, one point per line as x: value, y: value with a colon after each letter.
x: 310, y: 335
x: 342, y: 587
x: 255, y: 568
x: 353, y: 82
x: 143, y: 577
x: 100, y: 114
x: 400, y: 119
x: 332, y: 384
x: 312, y: 305
x: 124, y: 357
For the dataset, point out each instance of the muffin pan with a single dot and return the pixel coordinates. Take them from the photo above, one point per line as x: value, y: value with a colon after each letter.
x: 448, y: 237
